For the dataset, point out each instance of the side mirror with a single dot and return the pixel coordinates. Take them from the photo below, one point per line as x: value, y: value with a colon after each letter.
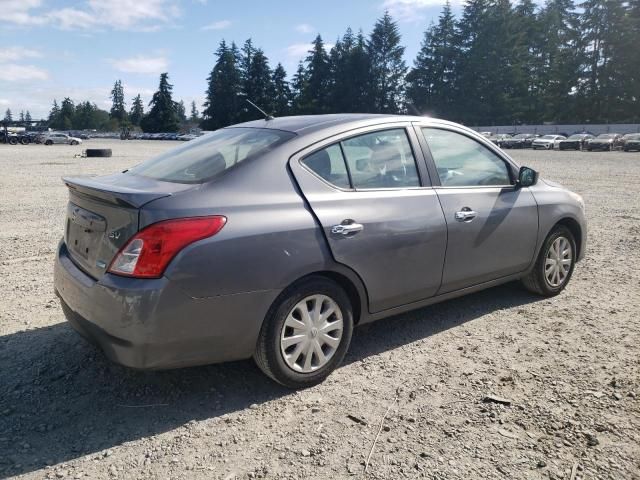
x: 527, y: 177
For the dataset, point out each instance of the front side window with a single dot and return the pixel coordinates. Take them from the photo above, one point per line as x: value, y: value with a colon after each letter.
x: 382, y: 159
x: 207, y: 157
x: 463, y: 162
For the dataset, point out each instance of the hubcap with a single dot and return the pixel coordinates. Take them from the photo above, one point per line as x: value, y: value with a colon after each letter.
x: 311, y: 334
x: 558, y: 262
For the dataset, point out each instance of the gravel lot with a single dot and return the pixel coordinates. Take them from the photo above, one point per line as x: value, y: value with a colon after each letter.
x: 569, y: 366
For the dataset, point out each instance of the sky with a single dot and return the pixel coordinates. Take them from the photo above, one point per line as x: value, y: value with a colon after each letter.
x: 78, y: 48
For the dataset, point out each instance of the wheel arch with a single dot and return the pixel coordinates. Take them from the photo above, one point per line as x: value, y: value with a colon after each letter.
x: 575, y: 229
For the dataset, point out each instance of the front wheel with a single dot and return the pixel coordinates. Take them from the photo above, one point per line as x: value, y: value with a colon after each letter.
x: 554, y: 266
x: 74, y: 142
x: 306, y: 333
x: 48, y: 142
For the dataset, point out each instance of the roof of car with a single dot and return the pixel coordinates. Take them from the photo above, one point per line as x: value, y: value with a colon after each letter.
x: 304, y: 124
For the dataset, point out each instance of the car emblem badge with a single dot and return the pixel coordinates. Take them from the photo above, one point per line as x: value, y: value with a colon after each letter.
x: 115, y: 235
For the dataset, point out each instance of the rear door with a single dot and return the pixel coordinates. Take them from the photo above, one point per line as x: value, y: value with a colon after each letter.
x: 492, y: 224
x: 378, y: 211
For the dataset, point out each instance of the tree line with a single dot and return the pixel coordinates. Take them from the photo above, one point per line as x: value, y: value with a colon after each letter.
x: 498, y: 63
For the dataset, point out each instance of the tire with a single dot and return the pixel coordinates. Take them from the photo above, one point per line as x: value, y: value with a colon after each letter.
x: 270, y: 351
x: 13, y: 141
x: 98, y: 152
x: 24, y: 141
x: 48, y: 142
x: 74, y: 143
x: 536, y: 281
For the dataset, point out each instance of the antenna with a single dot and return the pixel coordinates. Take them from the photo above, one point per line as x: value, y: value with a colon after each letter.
x: 267, y: 117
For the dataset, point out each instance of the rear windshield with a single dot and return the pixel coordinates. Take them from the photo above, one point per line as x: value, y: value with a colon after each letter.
x: 207, y: 157
x: 605, y: 135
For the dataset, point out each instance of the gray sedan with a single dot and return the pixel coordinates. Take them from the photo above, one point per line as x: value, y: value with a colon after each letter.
x: 274, y: 238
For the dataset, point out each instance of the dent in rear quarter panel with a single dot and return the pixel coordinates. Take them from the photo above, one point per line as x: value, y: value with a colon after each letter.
x: 554, y: 205
x: 269, y: 241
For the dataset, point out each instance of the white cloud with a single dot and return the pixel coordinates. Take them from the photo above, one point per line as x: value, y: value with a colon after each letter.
x: 219, y: 25
x: 4, y: 101
x: 11, y: 54
x: 300, y: 50
x: 19, y: 12
x: 144, y: 15
x: 12, y: 72
x: 410, y: 10
x: 304, y: 28
x: 141, y: 64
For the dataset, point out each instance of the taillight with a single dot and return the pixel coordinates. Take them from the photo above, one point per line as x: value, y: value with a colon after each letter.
x: 147, y: 254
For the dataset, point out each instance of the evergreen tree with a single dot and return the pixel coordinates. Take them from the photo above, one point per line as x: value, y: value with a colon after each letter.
x: 67, y: 114
x: 21, y: 116
x: 194, y: 113
x: 118, y: 107
x: 299, y: 85
x: 256, y: 84
x: 162, y: 116
x: 431, y: 84
x: 387, y: 66
x: 181, y: 111
x: 54, y: 115
x: 137, y: 110
x: 315, y: 94
x: 560, y: 60
x: 221, y: 107
x: 27, y: 117
x: 8, y: 116
x: 280, y: 92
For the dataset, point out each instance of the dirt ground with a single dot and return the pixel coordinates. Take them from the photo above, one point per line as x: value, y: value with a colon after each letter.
x: 569, y: 366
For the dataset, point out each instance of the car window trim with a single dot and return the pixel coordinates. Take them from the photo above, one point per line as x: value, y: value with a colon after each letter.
x: 512, y: 167
x: 424, y: 177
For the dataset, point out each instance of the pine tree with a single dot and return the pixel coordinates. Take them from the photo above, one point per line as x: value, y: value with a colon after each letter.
x: 281, y: 92
x: 194, y: 113
x: 181, y: 111
x: 221, y: 107
x: 349, y: 70
x: 560, y: 60
x: 315, y: 94
x: 118, y: 107
x: 8, y: 117
x: 27, y: 117
x: 256, y: 84
x: 162, y: 116
x: 298, y: 85
x: 431, y: 84
x: 137, y: 110
x: 21, y: 117
x: 67, y: 114
x: 387, y: 66
x: 54, y: 115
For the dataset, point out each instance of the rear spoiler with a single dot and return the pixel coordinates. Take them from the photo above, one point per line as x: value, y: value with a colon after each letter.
x: 124, y: 190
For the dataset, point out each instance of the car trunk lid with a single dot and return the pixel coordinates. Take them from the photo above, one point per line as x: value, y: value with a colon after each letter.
x: 103, y: 213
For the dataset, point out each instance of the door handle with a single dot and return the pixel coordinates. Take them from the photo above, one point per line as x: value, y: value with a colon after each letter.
x: 465, y: 215
x: 346, y: 229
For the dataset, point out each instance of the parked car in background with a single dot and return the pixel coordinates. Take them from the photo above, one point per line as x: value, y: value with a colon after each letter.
x: 521, y: 140
x: 498, y: 138
x: 340, y: 220
x: 51, y: 138
x: 605, y: 141
x: 577, y: 141
x: 631, y: 142
x: 547, y: 142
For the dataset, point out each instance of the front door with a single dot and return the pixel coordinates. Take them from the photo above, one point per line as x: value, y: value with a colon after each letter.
x: 378, y: 213
x: 492, y: 224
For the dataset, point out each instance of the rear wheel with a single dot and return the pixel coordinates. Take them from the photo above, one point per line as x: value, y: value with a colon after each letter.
x: 306, y: 333
x: 554, y: 266
x: 48, y: 142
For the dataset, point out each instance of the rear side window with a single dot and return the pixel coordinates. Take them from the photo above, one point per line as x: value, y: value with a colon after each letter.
x: 207, y: 157
x: 463, y: 162
x: 381, y: 160
x: 328, y: 164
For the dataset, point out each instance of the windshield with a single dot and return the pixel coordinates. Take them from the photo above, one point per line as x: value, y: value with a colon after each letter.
x: 549, y: 137
x: 632, y: 136
x: 605, y: 135
x: 200, y: 160
x: 523, y: 135
x: 576, y: 137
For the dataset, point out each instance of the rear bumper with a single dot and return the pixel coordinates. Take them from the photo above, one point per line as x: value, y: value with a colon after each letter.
x: 152, y: 324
